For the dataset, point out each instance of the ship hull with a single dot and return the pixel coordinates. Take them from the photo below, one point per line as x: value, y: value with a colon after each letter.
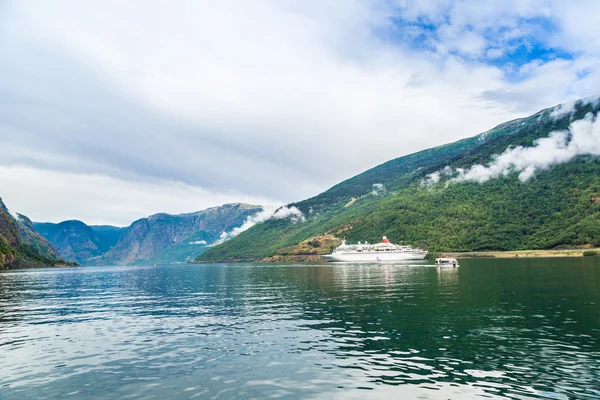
x: 374, y: 257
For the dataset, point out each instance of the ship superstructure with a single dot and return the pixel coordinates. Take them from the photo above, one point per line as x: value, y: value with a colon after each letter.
x: 366, y: 252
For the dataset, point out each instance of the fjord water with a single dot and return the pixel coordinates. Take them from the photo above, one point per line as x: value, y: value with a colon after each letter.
x: 491, y: 328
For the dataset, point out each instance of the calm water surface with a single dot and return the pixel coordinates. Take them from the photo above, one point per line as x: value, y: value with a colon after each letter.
x: 520, y: 329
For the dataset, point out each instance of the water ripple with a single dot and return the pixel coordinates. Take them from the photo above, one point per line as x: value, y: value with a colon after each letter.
x: 495, y: 329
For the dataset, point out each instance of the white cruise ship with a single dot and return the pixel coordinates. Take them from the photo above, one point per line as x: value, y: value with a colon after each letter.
x: 366, y: 252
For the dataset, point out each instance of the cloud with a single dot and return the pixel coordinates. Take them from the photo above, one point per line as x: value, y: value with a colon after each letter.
x: 463, y: 41
x: 14, y: 214
x: 97, y: 199
x: 378, y: 189
x: 434, y: 178
x: 568, y: 108
x: 293, y: 213
x: 200, y: 242
x: 431, y: 179
x: 229, y: 99
x: 288, y: 212
x: 582, y: 138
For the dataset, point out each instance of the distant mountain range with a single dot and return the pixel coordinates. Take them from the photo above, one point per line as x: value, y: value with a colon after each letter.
x: 78, y: 242
x: 20, y: 245
x: 530, y: 183
x: 160, y: 238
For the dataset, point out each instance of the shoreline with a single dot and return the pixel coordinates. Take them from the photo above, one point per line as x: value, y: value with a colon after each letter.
x: 40, y: 266
x: 317, y: 259
x: 519, y: 253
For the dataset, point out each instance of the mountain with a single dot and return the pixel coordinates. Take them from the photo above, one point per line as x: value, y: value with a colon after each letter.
x: 108, y: 236
x: 530, y: 183
x: 20, y: 245
x: 166, y: 238
x: 78, y: 242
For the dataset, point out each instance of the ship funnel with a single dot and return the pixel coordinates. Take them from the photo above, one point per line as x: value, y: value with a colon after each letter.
x: 385, y: 240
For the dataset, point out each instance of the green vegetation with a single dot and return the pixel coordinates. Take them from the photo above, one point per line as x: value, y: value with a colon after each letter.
x: 160, y: 238
x: 590, y: 253
x: 166, y: 238
x: 4, y: 246
x: 33, y: 255
x: 20, y: 245
x: 558, y: 207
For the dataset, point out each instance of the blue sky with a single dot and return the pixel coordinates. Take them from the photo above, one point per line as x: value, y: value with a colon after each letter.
x: 498, y: 45
x: 117, y: 110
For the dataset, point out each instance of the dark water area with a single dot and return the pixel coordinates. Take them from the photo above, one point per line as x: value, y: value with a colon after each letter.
x: 518, y: 329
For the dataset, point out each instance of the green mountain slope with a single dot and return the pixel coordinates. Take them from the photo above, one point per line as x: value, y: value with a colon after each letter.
x: 20, y: 245
x: 165, y: 238
x: 77, y: 242
x: 560, y: 206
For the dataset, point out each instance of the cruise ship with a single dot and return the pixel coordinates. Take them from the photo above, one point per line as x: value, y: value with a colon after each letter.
x: 366, y: 252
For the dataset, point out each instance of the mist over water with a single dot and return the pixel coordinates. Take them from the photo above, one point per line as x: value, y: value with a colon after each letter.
x: 493, y: 328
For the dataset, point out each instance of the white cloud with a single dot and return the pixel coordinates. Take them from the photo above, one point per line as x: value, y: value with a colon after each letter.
x: 267, y: 213
x: 583, y: 137
x: 200, y: 242
x: 14, y: 214
x: 378, y: 189
x: 431, y: 179
x: 288, y: 212
x: 494, y: 53
x: 462, y: 40
x: 568, y: 108
x: 97, y: 199
x: 434, y: 178
x: 266, y: 100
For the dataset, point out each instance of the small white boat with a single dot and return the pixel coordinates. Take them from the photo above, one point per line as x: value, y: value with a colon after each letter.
x: 446, y: 262
x: 365, y: 252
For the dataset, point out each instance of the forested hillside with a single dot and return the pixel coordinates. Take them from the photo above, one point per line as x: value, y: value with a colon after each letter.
x: 20, y: 245
x: 422, y: 199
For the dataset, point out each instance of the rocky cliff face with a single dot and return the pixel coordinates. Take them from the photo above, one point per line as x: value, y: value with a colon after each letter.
x: 9, y: 236
x: 166, y: 238
x: 20, y: 245
x: 78, y: 242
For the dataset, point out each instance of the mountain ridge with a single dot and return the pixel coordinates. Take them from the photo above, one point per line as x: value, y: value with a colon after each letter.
x: 21, y: 246
x: 393, y: 199
x: 76, y: 241
x: 170, y: 238
x: 158, y: 238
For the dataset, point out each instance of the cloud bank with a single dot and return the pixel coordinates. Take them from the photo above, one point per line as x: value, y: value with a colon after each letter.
x: 565, y: 109
x: 582, y: 138
x: 100, y: 200
x: 293, y: 213
x: 266, y: 99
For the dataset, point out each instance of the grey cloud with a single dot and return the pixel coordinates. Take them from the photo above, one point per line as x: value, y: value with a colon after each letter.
x: 94, y: 124
x: 272, y: 100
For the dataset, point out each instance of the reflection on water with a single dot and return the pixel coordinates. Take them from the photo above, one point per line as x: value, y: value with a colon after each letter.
x: 493, y: 328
